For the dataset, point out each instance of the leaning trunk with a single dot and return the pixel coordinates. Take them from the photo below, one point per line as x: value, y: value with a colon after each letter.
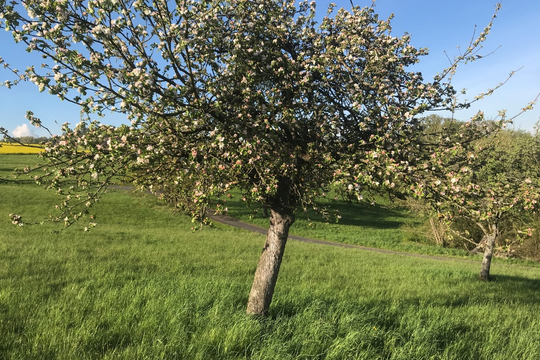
x: 489, y: 240
x: 267, y: 271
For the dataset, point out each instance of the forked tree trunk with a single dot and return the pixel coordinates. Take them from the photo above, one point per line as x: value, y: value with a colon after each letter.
x: 488, y: 252
x: 267, y: 271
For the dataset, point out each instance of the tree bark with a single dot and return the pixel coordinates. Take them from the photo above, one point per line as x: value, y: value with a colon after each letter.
x: 267, y: 271
x: 281, y: 206
x: 488, y: 253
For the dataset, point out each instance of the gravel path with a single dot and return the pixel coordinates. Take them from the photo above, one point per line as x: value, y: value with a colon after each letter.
x: 230, y: 221
x: 227, y: 220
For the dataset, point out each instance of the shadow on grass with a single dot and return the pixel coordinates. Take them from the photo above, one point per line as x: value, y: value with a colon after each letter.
x: 366, y: 215
x: 7, y: 169
x: 502, y: 291
x: 15, y: 181
x: 361, y: 214
x: 515, y: 288
x: 376, y: 323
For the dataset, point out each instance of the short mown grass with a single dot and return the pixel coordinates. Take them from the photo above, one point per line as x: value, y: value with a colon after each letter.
x: 142, y: 285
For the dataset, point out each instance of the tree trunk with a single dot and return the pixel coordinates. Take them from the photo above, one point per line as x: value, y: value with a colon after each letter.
x: 488, y: 253
x: 266, y: 275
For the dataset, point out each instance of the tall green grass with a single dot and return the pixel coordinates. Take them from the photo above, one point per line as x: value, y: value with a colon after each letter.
x: 141, y: 285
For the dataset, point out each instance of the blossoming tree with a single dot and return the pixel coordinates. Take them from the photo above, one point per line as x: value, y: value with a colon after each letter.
x: 251, y: 94
x: 482, y: 173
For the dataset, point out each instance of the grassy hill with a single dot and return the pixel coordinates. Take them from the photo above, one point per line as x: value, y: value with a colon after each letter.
x: 142, y: 285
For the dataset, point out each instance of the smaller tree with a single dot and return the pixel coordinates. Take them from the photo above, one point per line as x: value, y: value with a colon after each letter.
x: 482, y: 174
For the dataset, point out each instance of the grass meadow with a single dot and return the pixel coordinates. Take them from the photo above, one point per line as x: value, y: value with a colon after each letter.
x: 384, y: 224
x: 142, y: 285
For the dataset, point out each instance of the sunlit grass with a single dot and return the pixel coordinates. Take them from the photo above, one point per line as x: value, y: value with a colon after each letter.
x: 142, y: 285
x: 10, y: 162
x: 379, y: 225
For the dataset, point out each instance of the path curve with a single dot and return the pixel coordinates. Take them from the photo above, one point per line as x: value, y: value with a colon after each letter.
x: 230, y: 221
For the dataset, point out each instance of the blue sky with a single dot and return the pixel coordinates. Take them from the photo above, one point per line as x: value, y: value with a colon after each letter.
x: 439, y: 25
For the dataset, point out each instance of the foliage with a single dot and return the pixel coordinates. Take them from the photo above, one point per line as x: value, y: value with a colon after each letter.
x: 506, y: 158
x: 215, y: 92
x: 501, y: 180
x: 248, y: 94
x: 489, y: 182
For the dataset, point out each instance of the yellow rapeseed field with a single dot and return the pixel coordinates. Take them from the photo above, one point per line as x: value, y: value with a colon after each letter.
x: 18, y: 149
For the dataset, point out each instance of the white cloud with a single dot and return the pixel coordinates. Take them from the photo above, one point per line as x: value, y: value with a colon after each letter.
x: 22, y: 130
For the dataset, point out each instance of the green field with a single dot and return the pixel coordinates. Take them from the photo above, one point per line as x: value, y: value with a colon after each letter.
x: 386, y: 225
x: 142, y: 285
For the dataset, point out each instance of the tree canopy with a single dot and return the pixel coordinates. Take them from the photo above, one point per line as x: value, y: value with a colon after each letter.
x: 252, y: 94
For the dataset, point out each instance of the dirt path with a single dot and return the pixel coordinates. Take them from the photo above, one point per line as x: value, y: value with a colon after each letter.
x: 227, y: 220
x: 230, y: 221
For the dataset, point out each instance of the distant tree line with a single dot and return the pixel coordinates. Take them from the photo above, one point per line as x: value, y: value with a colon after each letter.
x: 26, y: 139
